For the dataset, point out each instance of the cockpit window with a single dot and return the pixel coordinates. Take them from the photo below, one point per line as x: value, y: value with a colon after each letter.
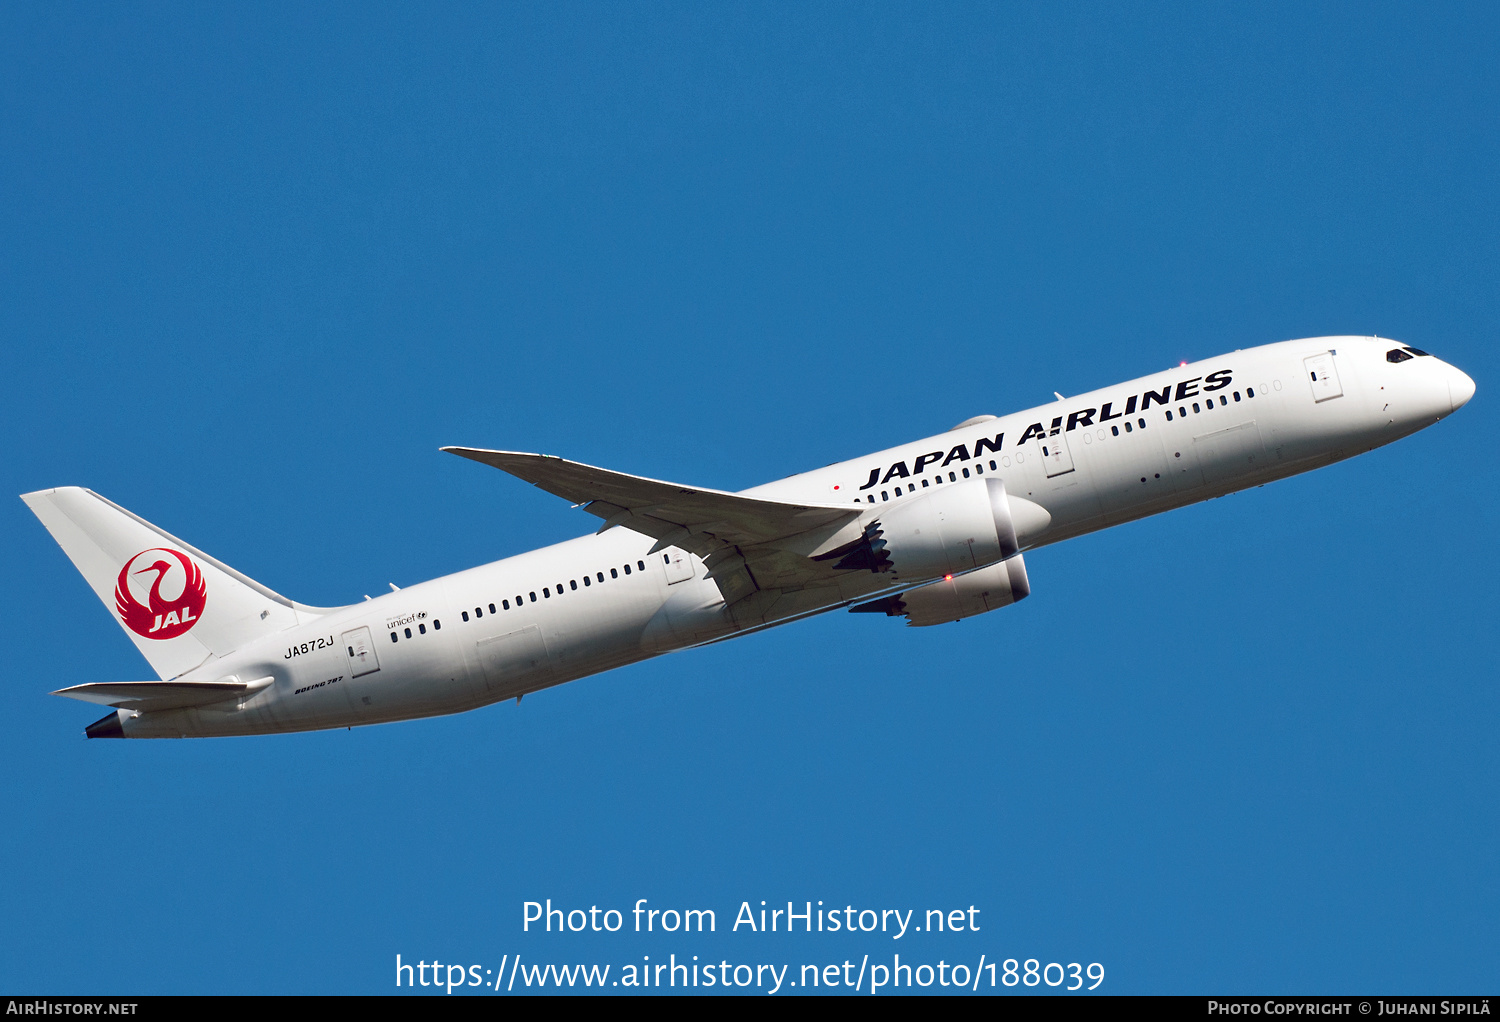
x: 1397, y: 355
x: 1417, y: 351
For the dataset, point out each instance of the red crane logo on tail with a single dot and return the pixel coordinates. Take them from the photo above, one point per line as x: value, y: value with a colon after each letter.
x: 160, y: 617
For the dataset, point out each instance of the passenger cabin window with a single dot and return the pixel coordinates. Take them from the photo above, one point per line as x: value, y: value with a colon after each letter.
x: 407, y: 631
x: 601, y: 576
x: 627, y: 569
x: 546, y: 593
x: 1114, y: 430
x: 466, y: 617
x: 586, y: 581
x: 573, y: 583
x: 1127, y: 427
x: 478, y: 612
x: 422, y: 629
x: 437, y: 626
x: 533, y: 597
x: 1249, y: 391
x: 1195, y: 408
x: 615, y: 572
x: 1169, y: 416
x: 641, y: 565
x: 505, y: 604
x: 992, y: 466
x: 492, y: 608
x: 393, y: 637
x: 1236, y: 395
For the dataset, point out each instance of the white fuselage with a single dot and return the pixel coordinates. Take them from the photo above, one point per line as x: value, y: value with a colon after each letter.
x: 602, y: 601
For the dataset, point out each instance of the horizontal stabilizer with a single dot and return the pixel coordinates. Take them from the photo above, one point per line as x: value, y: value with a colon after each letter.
x: 162, y: 695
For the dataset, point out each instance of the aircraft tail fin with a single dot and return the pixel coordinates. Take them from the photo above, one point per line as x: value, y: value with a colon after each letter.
x: 179, y: 606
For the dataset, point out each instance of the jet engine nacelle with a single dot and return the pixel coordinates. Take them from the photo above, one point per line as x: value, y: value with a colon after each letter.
x: 953, y: 530
x: 951, y: 599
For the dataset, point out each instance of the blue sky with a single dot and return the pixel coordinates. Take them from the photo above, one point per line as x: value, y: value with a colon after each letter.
x: 260, y: 263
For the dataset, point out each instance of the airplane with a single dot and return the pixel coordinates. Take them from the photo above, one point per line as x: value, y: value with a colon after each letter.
x: 933, y: 531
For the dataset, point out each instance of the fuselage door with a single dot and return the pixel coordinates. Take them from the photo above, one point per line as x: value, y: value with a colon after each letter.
x: 515, y: 662
x: 678, y: 563
x: 360, y: 650
x: 1229, y: 453
x: 1324, y: 376
x: 1056, y: 458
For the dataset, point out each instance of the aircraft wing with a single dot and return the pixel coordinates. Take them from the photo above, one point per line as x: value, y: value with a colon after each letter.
x: 770, y: 541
